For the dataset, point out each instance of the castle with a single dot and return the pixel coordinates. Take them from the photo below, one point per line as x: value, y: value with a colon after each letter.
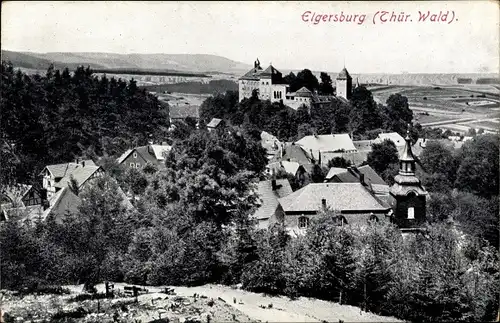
x: 270, y: 85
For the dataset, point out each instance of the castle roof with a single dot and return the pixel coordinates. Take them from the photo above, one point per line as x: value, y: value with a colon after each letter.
x: 270, y: 71
x: 253, y: 74
x: 344, y: 74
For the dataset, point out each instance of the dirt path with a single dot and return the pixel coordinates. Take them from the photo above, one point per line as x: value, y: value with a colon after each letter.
x: 283, y: 309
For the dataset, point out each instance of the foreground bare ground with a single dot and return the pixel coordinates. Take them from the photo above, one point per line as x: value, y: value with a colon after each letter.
x: 208, y: 303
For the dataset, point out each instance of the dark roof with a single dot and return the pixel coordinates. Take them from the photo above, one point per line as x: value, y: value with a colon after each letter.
x: 270, y: 71
x: 269, y: 197
x: 253, y: 74
x: 184, y: 111
x: 344, y: 74
x: 294, y: 153
x: 338, y: 196
x: 353, y: 174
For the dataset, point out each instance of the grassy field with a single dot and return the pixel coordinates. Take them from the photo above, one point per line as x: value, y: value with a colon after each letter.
x: 463, y: 105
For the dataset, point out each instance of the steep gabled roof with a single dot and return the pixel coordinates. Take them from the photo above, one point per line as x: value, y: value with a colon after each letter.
x: 61, y: 170
x: 287, y: 166
x: 339, y: 196
x: 269, y: 197
x: 334, y: 171
x: 270, y: 71
x: 294, y: 153
x: 303, y: 92
x: 81, y: 174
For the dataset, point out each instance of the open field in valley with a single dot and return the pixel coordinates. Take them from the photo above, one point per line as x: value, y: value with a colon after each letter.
x: 457, y: 108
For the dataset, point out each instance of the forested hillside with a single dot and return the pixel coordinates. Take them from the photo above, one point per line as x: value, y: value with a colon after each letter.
x: 56, y: 117
x: 191, y: 221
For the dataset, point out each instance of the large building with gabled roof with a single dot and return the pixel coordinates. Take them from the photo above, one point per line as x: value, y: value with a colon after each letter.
x: 270, y: 85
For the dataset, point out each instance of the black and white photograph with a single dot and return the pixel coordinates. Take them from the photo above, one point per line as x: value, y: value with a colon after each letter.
x: 265, y: 161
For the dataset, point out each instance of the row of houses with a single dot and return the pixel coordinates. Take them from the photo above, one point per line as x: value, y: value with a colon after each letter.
x: 57, y: 192
x: 357, y: 193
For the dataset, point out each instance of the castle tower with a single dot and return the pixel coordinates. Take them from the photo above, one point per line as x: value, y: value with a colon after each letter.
x: 344, y: 84
x: 409, y: 211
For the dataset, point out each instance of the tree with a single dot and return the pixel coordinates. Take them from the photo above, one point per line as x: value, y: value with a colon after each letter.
x: 339, y: 162
x: 436, y: 158
x: 304, y: 129
x: 209, y: 174
x: 382, y: 156
x: 479, y: 167
x: 364, y: 114
x: 305, y: 78
x: 317, y: 174
x: 74, y: 186
x: 101, y: 207
x: 325, y: 86
x: 397, y: 114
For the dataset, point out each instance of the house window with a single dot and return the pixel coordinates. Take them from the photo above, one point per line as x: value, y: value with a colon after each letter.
x: 132, y: 165
x: 411, y: 213
x: 137, y: 165
x: 135, y: 155
x: 303, y: 222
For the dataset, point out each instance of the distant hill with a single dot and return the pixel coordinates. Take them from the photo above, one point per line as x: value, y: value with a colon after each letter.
x: 175, y: 62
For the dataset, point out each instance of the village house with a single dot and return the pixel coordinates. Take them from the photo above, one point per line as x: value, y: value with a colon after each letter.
x: 214, y: 124
x: 19, y: 197
x: 56, y: 177
x: 269, y: 192
x: 138, y: 157
x: 358, y: 196
x: 270, y: 85
x: 292, y: 168
x: 322, y: 148
x: 61, y: 184
x: 354, y: 203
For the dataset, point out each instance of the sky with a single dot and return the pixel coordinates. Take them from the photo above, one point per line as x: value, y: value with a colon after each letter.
x: 283, y: 33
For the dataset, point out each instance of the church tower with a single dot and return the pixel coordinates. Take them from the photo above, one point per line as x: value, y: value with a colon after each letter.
x: 344, y: 84
x: 409, y: 211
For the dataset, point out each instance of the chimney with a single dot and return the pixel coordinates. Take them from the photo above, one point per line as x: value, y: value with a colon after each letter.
x: 273, y: 184
x: 323, y: 203
x: 83, y: 163
x: 362, y: 178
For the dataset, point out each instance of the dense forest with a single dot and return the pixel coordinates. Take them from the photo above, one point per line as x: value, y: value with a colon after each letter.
x: 61, y: 115
x: 191, y: 224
